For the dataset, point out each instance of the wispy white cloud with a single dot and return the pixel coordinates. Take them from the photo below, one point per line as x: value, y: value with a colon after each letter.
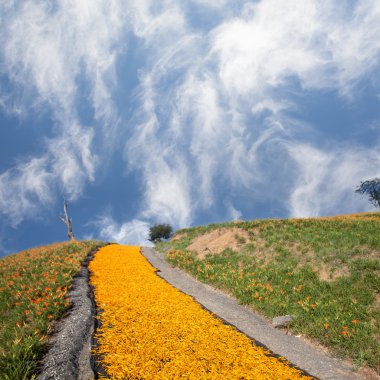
x: 24, y: 188
x: 211, y: 108
x: 34, y: 184
x: 211, y: 3
x: 232, y: 212
x: 134, y: 232
x: 165, y: 174
x: 64, y: 41
x: 323, y: 45
x: 48, y: 50
x: 224, y: 116
x: 152, y: 21
x: 71, y: 158
x: 327, y: 179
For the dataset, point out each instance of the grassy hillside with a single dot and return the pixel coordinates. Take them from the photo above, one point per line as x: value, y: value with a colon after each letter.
x: 33, y: 285
x: 324, y: 272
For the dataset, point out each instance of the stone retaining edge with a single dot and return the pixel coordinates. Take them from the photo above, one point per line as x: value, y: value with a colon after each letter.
x: 69, y: 348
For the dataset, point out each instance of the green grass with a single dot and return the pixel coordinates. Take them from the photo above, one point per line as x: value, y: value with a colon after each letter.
x: 324, y: 272
x: 33, y: 285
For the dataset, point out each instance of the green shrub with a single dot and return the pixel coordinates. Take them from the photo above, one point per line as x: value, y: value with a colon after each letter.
x: 159, y: 232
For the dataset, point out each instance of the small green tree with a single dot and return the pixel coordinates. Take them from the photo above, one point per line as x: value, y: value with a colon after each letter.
x: 159, y: 232
x: 371, y: 187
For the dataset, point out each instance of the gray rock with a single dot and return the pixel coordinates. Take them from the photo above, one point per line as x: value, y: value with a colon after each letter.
x: 282, y: 321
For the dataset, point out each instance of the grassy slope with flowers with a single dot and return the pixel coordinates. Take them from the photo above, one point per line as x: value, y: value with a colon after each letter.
x: 33, y: 285
x: 151, y: 330
x: 323, y: 271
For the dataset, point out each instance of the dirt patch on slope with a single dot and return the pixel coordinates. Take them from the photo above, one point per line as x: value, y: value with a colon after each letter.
x: 251, y: 243
x: 218, y: 240
x: 177, y: 236
x: 326, y: 273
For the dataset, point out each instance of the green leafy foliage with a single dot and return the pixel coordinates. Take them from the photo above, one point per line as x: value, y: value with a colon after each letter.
x: 372, y: 189
x: 160, y: 232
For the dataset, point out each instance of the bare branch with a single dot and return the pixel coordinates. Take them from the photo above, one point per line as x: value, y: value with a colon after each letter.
x: 65, y: 219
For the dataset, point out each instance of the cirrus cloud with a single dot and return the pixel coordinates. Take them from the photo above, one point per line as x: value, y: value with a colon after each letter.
x: 210, y: 118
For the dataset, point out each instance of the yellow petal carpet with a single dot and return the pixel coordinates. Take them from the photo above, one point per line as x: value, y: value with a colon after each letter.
x: 150, y: 330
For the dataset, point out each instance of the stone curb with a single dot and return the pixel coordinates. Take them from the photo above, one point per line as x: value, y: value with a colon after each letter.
x: 69, y: 352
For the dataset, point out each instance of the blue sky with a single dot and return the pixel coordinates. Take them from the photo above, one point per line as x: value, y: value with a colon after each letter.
x: 183, y: 112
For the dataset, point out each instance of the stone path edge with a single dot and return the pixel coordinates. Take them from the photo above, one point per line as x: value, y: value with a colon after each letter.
x: 68, y: 355
x: 303, y: 355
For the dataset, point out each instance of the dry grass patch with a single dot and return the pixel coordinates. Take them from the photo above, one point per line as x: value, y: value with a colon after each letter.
x: 326, y: 273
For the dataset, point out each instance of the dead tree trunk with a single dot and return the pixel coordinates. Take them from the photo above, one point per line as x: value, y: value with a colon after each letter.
x: 65, y: 219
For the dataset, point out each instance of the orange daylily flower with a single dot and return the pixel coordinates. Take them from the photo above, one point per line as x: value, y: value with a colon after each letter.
x: 164, y: 333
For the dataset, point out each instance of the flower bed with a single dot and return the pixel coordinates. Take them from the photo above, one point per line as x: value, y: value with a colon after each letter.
x: 33, y: 287
x: 150, y: 330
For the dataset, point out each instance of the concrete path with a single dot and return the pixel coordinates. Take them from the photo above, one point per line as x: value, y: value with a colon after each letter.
x: 300, y: 353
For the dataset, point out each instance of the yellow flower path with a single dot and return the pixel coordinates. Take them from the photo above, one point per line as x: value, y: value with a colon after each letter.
x: 150, y: 330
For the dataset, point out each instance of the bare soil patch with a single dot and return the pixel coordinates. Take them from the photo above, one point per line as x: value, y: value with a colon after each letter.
x: 325, y: 273
x: 235, y: 238
x: 216, y: 241
x: 178, y: 236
